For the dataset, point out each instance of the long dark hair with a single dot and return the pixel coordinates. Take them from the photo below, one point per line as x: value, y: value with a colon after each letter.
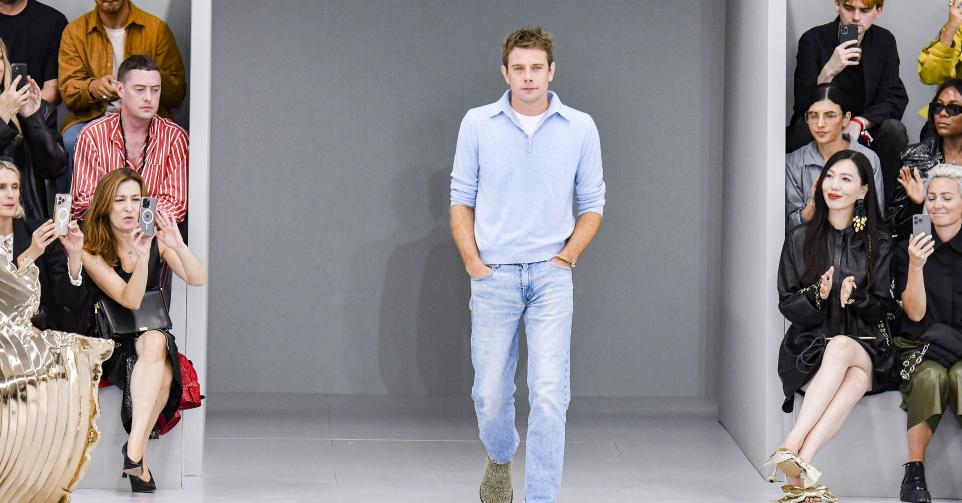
x: 816, y: 253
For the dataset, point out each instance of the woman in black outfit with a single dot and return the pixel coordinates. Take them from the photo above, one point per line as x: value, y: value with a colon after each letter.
x: 28, y: 135
x: 834, y: 288
x: 943, y: 147
x: 58, y: 258
x: 124, y: 264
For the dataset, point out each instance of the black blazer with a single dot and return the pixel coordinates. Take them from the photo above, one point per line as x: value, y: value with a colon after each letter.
x: 885, y: 96
x: 62, y: 305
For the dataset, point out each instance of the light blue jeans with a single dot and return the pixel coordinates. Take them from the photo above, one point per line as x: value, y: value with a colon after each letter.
x: 541, y: 294
x: 69, y: 143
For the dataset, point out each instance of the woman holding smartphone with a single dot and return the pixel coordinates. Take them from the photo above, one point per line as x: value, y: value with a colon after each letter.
x: 833, y: 286
x: 945, y: 146
x: 927, y: 269
x: 58, y: 258
x: 827, y: 118
x: 124, y: 265
x: 28, y: 135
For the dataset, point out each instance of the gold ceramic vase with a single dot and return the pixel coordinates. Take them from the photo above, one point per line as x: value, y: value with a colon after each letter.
x: 48, y: 397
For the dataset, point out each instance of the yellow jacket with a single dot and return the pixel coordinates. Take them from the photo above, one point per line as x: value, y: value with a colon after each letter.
x: 938, y: 63
x: 86, y: 54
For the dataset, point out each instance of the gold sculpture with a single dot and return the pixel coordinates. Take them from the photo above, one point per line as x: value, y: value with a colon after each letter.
x: 48, y: 397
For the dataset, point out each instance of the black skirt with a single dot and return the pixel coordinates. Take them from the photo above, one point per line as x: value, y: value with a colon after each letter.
x: 120, y: 366
x: 800, y: 357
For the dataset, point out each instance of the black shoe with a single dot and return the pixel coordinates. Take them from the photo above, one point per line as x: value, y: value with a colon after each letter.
x: 138, y: 485
x: 914, y: 488
x: 131, y: 468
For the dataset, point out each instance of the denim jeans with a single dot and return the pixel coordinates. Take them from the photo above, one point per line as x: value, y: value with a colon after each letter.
x: 69, y: 143
x: 541, y: 294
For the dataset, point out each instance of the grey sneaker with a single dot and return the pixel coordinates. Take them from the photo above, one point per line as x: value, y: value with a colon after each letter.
x: 496, y: 483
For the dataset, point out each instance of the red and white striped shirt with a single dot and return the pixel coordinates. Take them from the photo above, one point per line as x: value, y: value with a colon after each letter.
x: 100, y: 149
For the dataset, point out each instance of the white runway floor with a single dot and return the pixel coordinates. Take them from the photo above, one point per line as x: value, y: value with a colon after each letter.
x: 372, y: 449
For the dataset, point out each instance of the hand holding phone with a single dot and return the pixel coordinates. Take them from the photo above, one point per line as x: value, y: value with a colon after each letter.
x: 921, y: 244
x: 61, y: 213
x: 921, y: 224
x: 148, y: 213
x: 847, y: 33
x: 19, y: 69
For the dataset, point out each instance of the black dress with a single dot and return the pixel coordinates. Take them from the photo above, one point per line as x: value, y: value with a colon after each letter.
x: 118, y: 369
x: 62, y: 306
x: 813, y: 319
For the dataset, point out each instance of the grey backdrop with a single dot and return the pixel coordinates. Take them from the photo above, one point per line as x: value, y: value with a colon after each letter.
x: 332, y: 268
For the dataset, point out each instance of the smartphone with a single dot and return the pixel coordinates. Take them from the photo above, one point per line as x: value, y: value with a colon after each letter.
x: 61, y: 213
x: 21, y: 70
x: 847, y: 32
x: 921, y: 224
x: 148, y: 210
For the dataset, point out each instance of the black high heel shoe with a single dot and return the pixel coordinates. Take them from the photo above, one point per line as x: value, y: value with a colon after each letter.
x: 131, y: 468
x: 138, y: 485
x: 134, y: 471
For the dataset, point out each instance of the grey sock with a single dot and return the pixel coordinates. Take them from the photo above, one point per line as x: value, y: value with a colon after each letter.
x: 496, y: 483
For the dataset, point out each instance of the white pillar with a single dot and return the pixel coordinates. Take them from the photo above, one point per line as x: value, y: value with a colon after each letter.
x: 749, y: 390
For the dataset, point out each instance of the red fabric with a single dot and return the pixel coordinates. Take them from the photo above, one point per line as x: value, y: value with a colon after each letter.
x: 163, y: 425
x: 191, y: 397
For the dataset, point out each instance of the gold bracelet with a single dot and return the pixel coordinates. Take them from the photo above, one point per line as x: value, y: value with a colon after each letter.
x: 566, y: 261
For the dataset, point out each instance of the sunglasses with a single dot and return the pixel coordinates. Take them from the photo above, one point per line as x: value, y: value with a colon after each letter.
x: 952, y: 109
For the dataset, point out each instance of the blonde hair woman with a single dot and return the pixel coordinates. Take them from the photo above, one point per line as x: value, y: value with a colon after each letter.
x: 26, y: 241
x: 28, y: 136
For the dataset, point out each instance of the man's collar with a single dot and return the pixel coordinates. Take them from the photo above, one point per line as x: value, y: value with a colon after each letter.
x: 137, y: 17
x: 554, y: 106
x: 115, y: 133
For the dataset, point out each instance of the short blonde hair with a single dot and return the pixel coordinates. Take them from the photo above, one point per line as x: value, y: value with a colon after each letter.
x: 5, y: 164
x: 947, y: 171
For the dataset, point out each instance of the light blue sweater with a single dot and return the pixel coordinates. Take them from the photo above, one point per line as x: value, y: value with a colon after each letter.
x: 522, y: 188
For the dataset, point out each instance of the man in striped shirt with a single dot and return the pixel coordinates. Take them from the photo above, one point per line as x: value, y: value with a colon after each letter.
x: 137, y: 138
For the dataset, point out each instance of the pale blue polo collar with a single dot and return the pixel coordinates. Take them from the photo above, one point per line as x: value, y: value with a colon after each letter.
x: 555, y: 106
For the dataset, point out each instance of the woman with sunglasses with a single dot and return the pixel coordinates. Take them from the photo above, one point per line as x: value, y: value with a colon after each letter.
x: 827, y: 118
x: 29, y: 138
x: 945, y: 113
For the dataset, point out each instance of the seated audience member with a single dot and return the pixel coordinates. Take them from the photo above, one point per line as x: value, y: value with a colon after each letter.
x: 827, y: 119
x: 939, y: 61
x: 134, y: 137
x: 945, y: 113
x: 125, y: 265
x: 927, y: 269
x: 58, y: 258
x: 866, y: 71
x: 28, y: 135
x: 32, y: 33
x: 834, y: 288
x: 91, y: 52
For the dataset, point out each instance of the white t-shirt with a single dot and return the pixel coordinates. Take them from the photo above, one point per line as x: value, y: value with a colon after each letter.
x: 529, y: 122
x: 117, y: 39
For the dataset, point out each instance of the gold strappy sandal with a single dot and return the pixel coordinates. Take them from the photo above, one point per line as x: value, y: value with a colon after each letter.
x: 788, y: 462
x: 795, y: 494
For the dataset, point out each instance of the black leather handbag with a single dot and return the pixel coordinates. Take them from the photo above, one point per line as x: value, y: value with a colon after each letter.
x: 116, y: 321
